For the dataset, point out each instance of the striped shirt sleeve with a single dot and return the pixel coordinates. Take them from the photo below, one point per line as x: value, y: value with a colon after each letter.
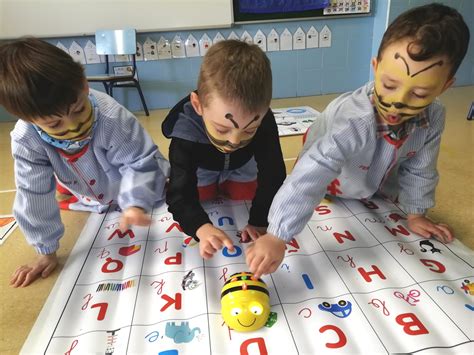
x: 321, y: 161
x: 138, y: 159
x: 35, y: 206
x: 418, y: 176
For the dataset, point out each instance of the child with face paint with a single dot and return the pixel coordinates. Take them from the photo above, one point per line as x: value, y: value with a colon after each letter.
x: 73, y: 139
x: 224, y: 142
x: 383, y: 138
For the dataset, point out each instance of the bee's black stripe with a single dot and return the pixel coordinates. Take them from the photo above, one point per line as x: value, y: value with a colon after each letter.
x: 240, y: 278
x: 241, y: 273
x: 249, y: 287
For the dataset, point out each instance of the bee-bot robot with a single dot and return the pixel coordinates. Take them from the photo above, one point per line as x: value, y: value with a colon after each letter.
x: 245, y: 303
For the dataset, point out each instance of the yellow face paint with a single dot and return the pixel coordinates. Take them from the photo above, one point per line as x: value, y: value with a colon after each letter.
x: 73, y: 126
x: 220, y: 141
x: 403, y: 87
x: 77, y: 129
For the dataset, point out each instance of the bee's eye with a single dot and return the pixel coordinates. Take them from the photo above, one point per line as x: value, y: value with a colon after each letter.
x: 326, y: 305
x: 256, y: 310
x: 342, y: 303
x: 235, y: 311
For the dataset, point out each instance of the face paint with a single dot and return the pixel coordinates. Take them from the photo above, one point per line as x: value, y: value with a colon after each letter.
x: 399, y: 56
x: 395, y: 112
x: 227, y: 125
x: 403, y: 87
x: 225, y: 146
x: 256, y: 118
x: 230, y: 117
x: 75, y: 130
x: 73, y: 126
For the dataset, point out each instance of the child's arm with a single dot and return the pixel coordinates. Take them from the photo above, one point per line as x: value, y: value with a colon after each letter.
x: 418, y: 178
x: 304, y: 188
x: 182, y: 197
x: 35, y: 208
x: 138, y: 159
x: 271, y: 170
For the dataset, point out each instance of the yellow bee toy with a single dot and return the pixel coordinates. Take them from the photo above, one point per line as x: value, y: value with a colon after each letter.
x: 245, y: 303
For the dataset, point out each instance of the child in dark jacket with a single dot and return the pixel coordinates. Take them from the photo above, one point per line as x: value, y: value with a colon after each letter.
x: 224, y: 142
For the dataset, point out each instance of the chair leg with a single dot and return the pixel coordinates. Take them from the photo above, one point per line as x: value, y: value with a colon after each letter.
x: 111, y: 88
x: 106, y: 87
x: 137, y: 84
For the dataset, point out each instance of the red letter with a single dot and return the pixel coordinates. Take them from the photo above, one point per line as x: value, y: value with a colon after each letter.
x: 121, y: 235
x: 339, y: 236
x: 414, y: 322
x: 332, y: 187
x: 174, y: 225
x: 322, y: 210
x: 170, y: 301
x: 261, y: 346
x: 174, y: 260
x: 395, y: 217
x: 369, y: 204
x: 400, y: 230
x: 294, y: 244
x: 108, y: 265
x: 102, y: 309
x: 342, y: 337
x: 440, y: 267
x: 366, y: 275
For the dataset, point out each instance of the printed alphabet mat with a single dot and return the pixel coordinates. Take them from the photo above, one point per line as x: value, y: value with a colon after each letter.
x: 354, y: 281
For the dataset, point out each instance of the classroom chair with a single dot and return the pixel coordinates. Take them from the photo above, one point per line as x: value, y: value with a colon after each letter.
x: 118, y: 42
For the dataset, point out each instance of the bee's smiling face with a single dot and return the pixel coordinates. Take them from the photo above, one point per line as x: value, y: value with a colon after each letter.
x: 245, y: 302
x: 245, y: 312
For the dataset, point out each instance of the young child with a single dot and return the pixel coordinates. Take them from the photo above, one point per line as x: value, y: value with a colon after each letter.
x: 221, y: 136
x: 75, y: 138
x: 382, y: 138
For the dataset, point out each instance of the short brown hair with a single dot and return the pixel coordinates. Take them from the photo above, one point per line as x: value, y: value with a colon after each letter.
x: 236, y: 71
x: 37, y: 79
x: 434, y: 30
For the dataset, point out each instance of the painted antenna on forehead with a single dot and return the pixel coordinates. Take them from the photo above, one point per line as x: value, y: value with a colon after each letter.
x: 399, y: 56
x: 254, y: 119
x: 230, y: 117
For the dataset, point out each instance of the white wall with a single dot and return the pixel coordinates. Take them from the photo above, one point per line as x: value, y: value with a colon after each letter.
x: 59, y: 18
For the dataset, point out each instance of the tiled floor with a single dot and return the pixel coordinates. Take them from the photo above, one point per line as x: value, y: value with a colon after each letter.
x: 455, y: 206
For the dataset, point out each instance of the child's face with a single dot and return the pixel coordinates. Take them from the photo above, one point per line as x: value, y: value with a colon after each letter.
x: 228, y: 126
x: 75, y: 125
x: 404, y: 87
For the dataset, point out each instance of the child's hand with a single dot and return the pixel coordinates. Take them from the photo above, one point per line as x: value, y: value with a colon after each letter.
x: 252, y: 232
x: 265, y: 255
x: 212, y: 239
x: 26, y: 274
x: 134, y: 216
x: 426, y: 228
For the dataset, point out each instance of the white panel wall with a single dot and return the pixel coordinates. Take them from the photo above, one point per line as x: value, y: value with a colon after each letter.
x: 59, y: 18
